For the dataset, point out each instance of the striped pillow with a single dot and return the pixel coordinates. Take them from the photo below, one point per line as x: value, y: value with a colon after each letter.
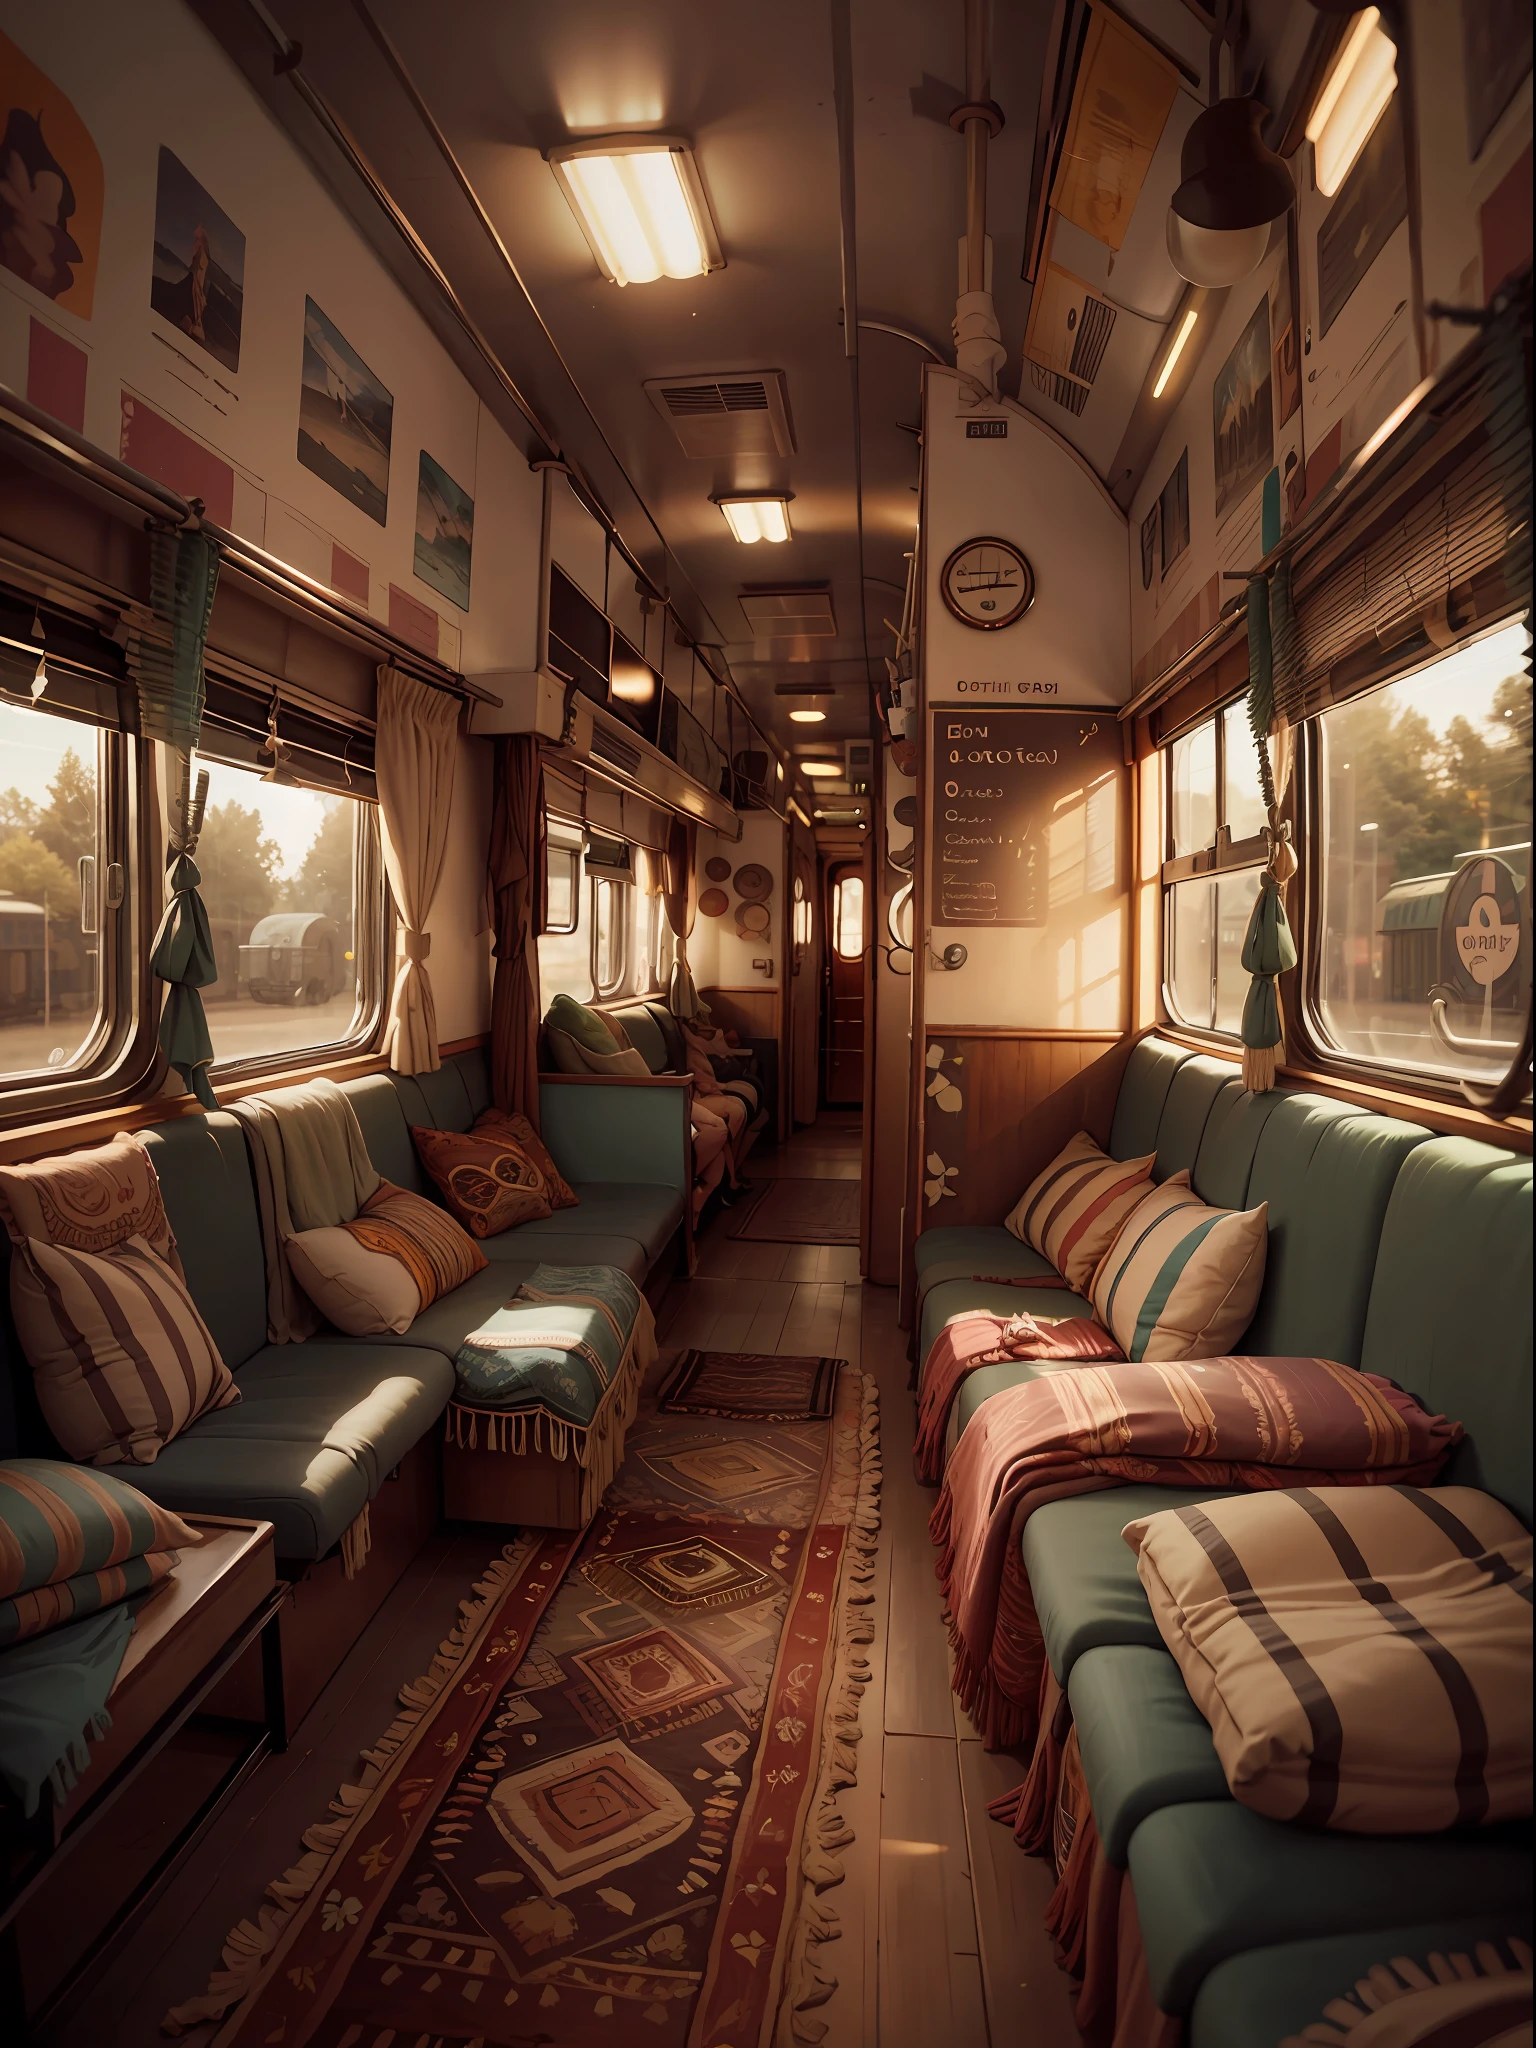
x: 73, y: 1541
x: 1181, y: 1280
x: 1072, y: 1211
x: 1362, y: 1653
x: 438, y: 1253
x: 122, y: 1359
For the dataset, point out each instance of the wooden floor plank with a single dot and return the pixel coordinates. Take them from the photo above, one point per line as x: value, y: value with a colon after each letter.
x: 1027, y: 1997
x: 766, y: 1327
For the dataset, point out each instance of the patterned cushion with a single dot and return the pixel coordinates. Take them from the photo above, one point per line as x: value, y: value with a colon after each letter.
x: 122, y: 1358
x: 496, y: 1123
x: 1181, y: 1279
x: 1073, y: 1210
x: 1362, y: 1654
x: 73, y: 1541
x: 487, y: 1179
x: 89, y: 1201
x: 423, y: 1247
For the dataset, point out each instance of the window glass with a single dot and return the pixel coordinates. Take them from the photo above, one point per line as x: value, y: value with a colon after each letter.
x: 1245, y: 815
x: 848, y: 917
x: 611, y: 914
x: 1194, y: 790
x: 1426, y: 830
x: 565, y: 958
x: 50, y: 972
x: 1188, y: 952
x: 1235, y: 896
x: 280, y: 873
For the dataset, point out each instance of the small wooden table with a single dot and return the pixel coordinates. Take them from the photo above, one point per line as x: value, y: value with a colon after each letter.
x: 223, y: 1597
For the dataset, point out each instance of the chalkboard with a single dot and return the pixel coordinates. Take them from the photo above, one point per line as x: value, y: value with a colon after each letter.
x: 1027, y: 813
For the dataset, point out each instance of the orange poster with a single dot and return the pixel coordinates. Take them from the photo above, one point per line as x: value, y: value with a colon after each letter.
x: 1124, y: 92
x: 50, y: 186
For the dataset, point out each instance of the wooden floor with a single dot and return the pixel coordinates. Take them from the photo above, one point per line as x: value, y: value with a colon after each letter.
x: 942, y: 1940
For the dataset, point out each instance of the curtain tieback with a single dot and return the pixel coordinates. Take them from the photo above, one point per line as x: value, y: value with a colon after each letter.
x: 414, y: 945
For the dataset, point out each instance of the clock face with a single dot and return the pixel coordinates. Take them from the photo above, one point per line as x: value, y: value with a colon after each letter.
x: 987, y: 584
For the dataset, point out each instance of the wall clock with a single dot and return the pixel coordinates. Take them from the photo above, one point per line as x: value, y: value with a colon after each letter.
x: 987, y: 583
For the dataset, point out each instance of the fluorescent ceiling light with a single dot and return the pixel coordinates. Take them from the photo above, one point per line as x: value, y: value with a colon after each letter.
x: 816, y: 769
x: 755, y: 519
x: 807, y: 717
x: 1170, y: 361
x: 1354, y: 94
x: 641, y: 205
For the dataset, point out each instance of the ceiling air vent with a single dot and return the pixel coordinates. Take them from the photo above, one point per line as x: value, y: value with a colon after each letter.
x: 726, y: 415
x: 780, y: 614
x: 605, y: 747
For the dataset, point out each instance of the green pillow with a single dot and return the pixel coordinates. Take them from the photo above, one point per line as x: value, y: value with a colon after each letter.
x: 582, y: 1024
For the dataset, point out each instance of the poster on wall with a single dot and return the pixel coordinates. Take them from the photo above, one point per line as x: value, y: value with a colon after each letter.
x: 1283, y: 326
x: 1148, y: 547
x: 1173, y: 513
x: 445, y: 532
x: 51, y: 187
x: 346, y: 417
x: 1243, y: 414
x: 1370, y: 205
x: 1125, y: 90
x: 197, y: 281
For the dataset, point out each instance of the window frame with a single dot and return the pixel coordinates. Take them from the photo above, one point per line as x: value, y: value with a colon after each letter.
x: 1224, y: 856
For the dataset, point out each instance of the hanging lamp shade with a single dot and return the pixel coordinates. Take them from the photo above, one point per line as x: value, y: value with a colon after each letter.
x: 1233, y: 187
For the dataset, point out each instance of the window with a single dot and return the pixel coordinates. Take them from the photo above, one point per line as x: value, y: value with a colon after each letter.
x: 1216, y: 848
x: 606, y: 934
x: 610, y: 925
x: 848, y: 917
x: 1420, y: 958
x: 292, y: 882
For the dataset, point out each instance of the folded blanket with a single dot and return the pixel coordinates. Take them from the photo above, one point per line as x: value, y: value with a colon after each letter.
x: 312, y: 1172
x: 980, y: 1339
x: 1252, y: 1423
x: 1364, y: 1659
x: 53, y: 1697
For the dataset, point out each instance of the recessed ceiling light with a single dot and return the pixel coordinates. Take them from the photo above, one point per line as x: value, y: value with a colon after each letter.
x: 807, y: 717
x: 641, y: 206
x: 754, y: 519
x: 820, y: 768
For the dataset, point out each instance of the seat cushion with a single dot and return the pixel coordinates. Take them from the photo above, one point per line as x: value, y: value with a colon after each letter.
x: 1213, y: 1880
x: 1083, y: 1577
x: 1144, y: 1743
x: 570, y: 1248
x: 1257, y: 2000
x: 1229, y: 1144
x: 636, y: 1209
x: 958, y: 1297
x: 1192, y: 1094
x: 443, y: 1327
x: 644, y: 1034
x: 205, y: 1177
x: 981, y: 1242
x: 375, y: 1099
x: 318, y: 1428
x: 1144, y: 1089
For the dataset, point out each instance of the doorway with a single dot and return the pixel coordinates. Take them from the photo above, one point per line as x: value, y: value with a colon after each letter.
x: 843, y: 987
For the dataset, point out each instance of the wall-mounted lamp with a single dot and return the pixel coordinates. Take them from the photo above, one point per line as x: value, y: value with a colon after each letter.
x: 1233, y: 188
x: 755, y: 519
x: 641, y: 205
x: 1354, y: 96
x: 1171, y: 360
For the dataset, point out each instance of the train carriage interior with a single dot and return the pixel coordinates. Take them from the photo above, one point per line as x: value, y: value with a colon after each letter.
x: 765, y: 1024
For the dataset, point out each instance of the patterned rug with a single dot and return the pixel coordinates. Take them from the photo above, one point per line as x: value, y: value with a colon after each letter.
x: 605, y: 1813
x: 801, y: 1212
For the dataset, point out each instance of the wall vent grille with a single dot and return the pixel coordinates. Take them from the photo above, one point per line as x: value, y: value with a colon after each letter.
x: 725, y: 414
x: 605, y: 747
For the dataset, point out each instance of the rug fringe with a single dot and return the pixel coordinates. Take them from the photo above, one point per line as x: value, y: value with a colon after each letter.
x: 250, y: 1942
x: 854, y: 1492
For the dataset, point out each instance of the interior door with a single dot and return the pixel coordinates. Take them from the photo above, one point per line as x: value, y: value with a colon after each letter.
x: 843, y: 1005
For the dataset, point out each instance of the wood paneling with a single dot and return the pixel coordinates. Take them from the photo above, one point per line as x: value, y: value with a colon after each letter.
x: 1023, y: 1095
x: 754, y: 1012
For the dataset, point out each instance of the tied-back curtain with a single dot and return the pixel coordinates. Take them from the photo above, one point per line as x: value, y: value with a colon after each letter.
x: 1268, y: 947
x: 681, y: 905
x: 414, y: 761
x: 516, y: 871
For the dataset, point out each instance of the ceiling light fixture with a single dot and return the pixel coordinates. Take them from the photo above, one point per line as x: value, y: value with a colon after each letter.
x: 1233, y: 189
x: 641, y: 205
x: 807, y: 717
x: 755, y: 519
x: 1171, y: 360
x: 1354, y: 96
x: 817, y: 769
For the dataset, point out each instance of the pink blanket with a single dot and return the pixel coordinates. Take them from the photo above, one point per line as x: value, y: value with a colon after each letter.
x: 1214, y: 1422
x: 982, y: 1339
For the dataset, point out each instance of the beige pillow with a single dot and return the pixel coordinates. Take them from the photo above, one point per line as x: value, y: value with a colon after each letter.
x: 1181, y: 1280
x: 359, y: 1291
x: 90, y: 1200
x: 1072, y: 1212
x: 121, y: 1357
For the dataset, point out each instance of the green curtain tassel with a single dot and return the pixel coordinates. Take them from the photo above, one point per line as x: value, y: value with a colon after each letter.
x: 1261, y: 682
x: 183, y: 958
x: 1268, y: 952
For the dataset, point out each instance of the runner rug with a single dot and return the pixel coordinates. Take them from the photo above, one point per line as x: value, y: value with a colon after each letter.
x: 802, y: 1212
x: 604, y: 1815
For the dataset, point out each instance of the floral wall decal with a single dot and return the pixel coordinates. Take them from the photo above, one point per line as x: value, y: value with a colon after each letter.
x: 942, y: 1089
x: 938, y: 1186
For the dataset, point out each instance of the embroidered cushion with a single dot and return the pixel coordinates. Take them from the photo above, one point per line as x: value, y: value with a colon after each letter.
x: 378, y: 1272
x: 1181, y: 1280
x: 488, y: 1180
x: 89, y: 1201
x: 1362, y: 1653
x: 74, y: 1540
x: 493, y: 1122
x: 1073, y: 1210
x: 122, y: 1359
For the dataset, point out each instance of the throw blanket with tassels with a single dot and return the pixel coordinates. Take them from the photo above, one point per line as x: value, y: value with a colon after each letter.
x: 537, y: 1375
x: 975, y: 1340
x: 1246, y: 1423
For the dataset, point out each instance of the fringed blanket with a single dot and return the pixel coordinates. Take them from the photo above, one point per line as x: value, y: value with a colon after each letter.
x: 981, y: 1339
x: 1248, y: 1423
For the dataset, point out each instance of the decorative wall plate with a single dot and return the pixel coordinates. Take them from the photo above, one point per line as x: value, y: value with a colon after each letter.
x: 718, y: 868
x: 714, y: 903
x: 904, y: 811
x: 753, y: 917
x: 754, y: 883
x: 987, y: 583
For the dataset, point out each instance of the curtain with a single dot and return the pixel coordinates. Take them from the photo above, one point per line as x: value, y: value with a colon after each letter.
x: 681, y: 906
x: 414, y: 762
x: 516, y: 869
